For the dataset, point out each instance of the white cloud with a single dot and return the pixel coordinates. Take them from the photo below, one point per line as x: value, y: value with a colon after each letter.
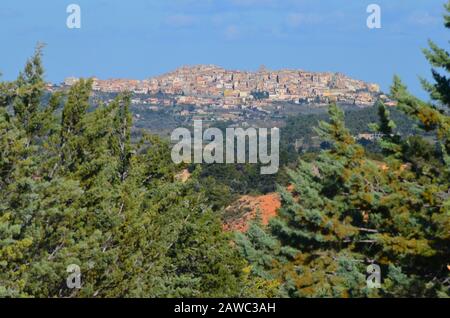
x: 424, y: 18
x: 180, y: 21
x: 246, y: 3
x: 232, y: 32
x: 297, y: 19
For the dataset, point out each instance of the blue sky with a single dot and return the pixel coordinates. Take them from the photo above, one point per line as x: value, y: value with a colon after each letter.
x: 142, y: 38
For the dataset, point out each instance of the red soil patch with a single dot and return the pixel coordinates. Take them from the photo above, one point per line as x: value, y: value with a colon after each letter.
x: 183, y: 176
x: 243, y: 211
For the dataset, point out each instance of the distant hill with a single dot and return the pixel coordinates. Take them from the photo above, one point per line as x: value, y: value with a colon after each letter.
x: 203, y: 84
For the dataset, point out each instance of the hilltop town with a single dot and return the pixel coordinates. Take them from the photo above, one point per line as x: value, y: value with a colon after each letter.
x: 203, y: 85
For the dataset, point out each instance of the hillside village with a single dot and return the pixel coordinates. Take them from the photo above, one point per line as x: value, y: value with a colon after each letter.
x: 203, y: 85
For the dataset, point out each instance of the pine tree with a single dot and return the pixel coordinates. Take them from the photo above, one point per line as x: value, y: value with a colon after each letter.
x: 432, y: 167
x: 13, y: 246
x: 316, y: 234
